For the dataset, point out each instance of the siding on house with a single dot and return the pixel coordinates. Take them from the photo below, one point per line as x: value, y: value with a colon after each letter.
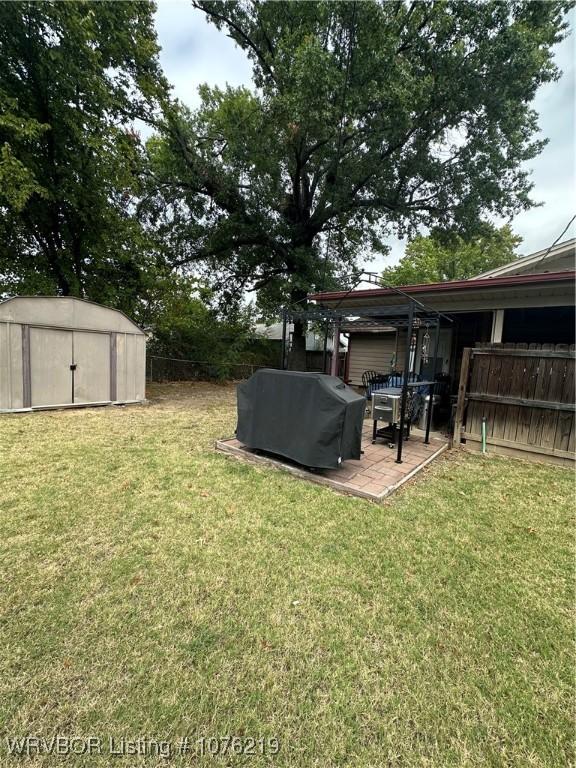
x: 370, y: 352
x: 375, y: 352
x: 400, y: 349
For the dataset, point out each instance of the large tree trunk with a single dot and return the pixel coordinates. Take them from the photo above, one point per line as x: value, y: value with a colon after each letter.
x: 62, y: 282
x: 297, y: 356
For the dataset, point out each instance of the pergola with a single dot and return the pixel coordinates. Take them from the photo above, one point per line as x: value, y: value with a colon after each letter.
x: 409, y: 313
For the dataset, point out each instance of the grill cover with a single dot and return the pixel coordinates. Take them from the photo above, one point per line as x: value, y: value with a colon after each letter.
x: 311, y: 418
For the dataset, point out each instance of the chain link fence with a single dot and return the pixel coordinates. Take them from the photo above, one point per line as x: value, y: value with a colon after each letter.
x: 160, y: 369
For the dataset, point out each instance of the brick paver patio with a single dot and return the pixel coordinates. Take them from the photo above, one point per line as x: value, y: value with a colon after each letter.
x: 374, y: 477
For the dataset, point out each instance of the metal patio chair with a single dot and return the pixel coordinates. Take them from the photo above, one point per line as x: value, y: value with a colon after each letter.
x: 373, y: 380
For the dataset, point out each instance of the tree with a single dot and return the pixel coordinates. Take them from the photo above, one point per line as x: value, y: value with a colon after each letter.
x: 366, y: 119
x: 73, y: 78
x: 434, y: 259
x: 187, y: 325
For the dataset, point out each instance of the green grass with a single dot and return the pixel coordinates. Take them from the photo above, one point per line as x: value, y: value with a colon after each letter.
x: 154, y: 587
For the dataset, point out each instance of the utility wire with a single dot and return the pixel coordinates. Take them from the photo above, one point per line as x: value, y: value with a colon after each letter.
x: 557, y: 239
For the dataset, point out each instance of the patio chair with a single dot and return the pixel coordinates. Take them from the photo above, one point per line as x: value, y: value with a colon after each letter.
x: 372, y: 381
x: 416, y: 395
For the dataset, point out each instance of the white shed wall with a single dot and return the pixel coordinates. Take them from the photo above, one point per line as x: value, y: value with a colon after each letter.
x: 11, y: 379
x: 130, y: 367
x: 65, y: 351
x: 50, y: 360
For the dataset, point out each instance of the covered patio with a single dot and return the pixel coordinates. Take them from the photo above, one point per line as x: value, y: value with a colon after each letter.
x: 407, y: 314
x: 392, y: 449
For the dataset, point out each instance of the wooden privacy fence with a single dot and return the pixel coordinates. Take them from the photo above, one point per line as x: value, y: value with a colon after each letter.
x: 526, y: 394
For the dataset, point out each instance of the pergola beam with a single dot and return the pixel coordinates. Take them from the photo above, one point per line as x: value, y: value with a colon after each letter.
x: 384, y: 314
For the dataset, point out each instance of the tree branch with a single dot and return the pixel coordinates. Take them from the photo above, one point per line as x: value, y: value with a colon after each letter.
x: 201, y: 6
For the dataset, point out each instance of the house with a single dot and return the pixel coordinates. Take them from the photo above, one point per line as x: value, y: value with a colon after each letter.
x: 530, y: 300
x: 314, y: 345
x: 314, y: 341
x: 559, y: 258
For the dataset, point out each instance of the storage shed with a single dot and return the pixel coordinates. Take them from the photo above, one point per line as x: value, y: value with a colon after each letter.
x: 61, y: 351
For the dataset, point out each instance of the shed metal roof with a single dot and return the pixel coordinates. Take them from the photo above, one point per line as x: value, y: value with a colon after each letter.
x: 66, y: 312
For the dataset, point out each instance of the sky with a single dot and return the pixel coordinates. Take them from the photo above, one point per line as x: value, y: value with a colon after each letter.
x: 195, y: 52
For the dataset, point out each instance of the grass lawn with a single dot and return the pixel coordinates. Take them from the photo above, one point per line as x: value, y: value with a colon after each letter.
x: 152, y: 587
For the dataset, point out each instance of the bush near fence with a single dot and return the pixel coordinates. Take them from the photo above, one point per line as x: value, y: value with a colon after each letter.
x: 160, y: 369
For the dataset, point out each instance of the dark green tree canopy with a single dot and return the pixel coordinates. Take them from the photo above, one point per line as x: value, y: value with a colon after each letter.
x: 367, y: 119
x: 435, y: 258
x: 73, y: 78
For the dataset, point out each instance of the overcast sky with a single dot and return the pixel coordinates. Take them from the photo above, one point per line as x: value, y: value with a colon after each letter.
x: 195, y: 52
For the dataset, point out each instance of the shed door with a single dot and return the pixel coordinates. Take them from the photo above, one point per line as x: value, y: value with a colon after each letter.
x: 50, y: 360
x: 92, y: 361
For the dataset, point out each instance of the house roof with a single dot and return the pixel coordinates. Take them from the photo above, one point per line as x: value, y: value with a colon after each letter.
x: 477, y: 294
x: 354, y: 326
x: 450, y: 285
x: 560, y: 257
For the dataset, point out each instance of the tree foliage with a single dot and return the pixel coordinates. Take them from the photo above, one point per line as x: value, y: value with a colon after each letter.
x: 434, y: 259
x: 187, y: 325
x: 73, y: 78
x: 366, y: 119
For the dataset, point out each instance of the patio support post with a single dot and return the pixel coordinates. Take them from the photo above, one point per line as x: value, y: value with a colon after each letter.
x: 433, y: 385
x: 325, y: 347
x: 335, y: 349
x: 405, y: 381
x: 283, y: 360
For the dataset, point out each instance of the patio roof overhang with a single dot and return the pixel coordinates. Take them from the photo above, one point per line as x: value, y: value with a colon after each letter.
x: 534, y: 290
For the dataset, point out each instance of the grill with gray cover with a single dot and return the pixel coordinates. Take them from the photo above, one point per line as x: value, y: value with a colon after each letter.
x: 310, y: 418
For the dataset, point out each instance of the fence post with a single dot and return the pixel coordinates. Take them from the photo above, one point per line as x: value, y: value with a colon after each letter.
x: 151, y: 369
x: 462, y: 386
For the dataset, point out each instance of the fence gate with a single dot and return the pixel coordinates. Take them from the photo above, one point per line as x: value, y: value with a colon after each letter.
x: 525, y: 392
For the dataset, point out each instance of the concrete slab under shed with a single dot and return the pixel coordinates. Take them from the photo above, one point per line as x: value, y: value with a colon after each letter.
x: 374, y: 477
